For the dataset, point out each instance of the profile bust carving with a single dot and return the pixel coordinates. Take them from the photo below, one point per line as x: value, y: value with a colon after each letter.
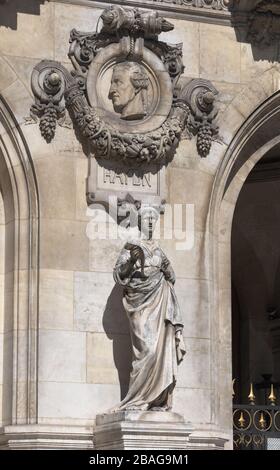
x: 128, y: 90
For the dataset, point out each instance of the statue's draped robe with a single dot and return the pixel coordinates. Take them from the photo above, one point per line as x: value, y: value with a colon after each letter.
x: 154, y: 318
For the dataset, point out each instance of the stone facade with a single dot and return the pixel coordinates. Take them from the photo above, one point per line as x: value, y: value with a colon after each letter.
x: 64, y: 340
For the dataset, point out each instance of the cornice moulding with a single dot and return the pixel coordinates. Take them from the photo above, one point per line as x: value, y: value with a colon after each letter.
x: 170, y: 8
x: 237, y: 14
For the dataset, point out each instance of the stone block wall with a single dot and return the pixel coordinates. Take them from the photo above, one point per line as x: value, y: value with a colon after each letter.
x: 84, y: 348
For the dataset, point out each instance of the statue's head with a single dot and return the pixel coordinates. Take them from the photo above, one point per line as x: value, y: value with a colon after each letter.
x: 147, y: 219
x: 128, y: 90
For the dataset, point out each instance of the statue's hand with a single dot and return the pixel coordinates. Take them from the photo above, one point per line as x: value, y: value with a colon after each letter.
x: 170, y: 276
x: 165, y: 263
x: 135, y: 253
x: 167, y: 270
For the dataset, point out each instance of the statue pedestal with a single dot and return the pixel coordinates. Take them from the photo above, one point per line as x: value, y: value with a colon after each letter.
x: 153, y: 430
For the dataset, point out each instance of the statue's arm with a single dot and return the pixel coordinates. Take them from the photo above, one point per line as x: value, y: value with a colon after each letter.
x: 125, y: 269
x: 167, y: 269
x: 123, y: 266
x: 125, y: 263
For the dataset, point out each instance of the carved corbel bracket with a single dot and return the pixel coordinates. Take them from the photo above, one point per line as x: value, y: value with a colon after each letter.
x: 200, y: 96
x: 149, y: 115
x: 49, y: 82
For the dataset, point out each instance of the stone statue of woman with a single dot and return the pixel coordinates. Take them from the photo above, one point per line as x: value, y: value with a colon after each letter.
x: 154, y: 318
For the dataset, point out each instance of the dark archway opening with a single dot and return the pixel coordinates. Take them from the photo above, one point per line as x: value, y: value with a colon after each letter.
x: 256, y: 307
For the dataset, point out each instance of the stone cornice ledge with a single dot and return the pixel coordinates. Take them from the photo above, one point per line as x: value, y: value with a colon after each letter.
x: 216, y: 12
x: 45, y: 436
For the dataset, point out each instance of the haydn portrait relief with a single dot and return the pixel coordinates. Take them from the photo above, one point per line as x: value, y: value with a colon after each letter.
x: 128, y: 90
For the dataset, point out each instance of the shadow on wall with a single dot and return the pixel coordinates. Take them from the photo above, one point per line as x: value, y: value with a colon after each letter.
x: 258, y: 24
x: 116, y: 327
x: 271, y: 53
x: 9, y: 10
x: 267, y: 48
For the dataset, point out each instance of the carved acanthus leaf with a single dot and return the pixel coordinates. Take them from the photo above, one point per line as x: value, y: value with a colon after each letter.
x: 170, y: 54
x: 83, y: 48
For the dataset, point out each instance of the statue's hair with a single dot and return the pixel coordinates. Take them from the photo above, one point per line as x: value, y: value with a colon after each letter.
x: 148, y: 208
x: 138, y: 74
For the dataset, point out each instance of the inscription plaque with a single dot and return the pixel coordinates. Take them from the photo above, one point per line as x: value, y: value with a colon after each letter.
x: 105, y: 181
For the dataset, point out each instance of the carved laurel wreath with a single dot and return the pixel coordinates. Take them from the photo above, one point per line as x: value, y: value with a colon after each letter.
x: 56, y: 89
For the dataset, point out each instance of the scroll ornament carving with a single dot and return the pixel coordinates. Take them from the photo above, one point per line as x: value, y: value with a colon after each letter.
x: 134, y: 35
x: 214, y: 4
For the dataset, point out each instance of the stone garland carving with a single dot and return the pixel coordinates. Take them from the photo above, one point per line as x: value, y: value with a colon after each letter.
x: 111, y: 144
x: 191, y: 112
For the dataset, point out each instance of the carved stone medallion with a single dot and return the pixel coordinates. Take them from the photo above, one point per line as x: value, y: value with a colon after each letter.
x: 125, y: 94
x: 128, y: 101
x: 130, y: 95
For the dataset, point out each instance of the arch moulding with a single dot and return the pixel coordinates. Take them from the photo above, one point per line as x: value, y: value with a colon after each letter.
x: 256, y: 135
x: 19, y: 190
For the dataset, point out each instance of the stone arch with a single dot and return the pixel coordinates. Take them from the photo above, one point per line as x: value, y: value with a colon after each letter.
x: 257, y: 134
x: 247, y: 101
x: 244, y: 104
x: 19, y: 320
